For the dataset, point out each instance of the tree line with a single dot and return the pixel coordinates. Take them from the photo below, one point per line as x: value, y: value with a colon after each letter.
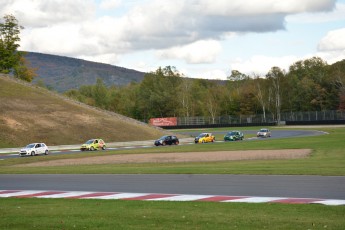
x: 308, y: 85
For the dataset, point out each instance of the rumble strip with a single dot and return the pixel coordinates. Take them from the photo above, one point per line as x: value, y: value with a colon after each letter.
x: 162, y: 197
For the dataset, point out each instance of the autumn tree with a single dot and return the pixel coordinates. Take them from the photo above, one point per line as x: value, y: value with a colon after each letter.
x: 12, y: 60
x: 23, y: 70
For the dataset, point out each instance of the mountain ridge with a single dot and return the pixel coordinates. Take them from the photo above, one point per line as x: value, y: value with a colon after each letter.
x: 63, y: 73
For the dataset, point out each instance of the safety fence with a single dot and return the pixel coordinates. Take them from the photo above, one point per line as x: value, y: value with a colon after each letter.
x: 290, y: 118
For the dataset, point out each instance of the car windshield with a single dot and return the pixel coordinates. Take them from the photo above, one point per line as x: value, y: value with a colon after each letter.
x: 202, y: 134
x: 89, y: 141
x: 163, y: 138
x: 263, y: 130
x: 30, y: 146
x: 232, y: 133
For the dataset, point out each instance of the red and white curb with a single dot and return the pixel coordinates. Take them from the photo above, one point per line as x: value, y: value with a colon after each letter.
x: 161, y: 197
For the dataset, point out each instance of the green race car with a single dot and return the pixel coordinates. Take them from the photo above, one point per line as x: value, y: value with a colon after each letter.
x: 234, y: 136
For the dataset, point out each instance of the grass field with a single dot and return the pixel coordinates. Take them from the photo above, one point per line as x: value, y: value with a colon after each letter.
x: 39, y: 213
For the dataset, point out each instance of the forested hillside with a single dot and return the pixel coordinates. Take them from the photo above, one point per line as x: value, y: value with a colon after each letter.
x: 308, y: 85
x: 64, y: 73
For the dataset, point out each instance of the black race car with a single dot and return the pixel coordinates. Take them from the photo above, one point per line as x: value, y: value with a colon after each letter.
x: 167, y: 140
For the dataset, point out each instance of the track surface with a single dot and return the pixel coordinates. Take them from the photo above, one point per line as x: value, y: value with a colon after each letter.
x: 323, y: 187
x: 275, y: 134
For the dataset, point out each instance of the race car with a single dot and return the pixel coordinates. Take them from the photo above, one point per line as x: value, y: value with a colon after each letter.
x: 234, y: 136
x: 93, y: 144
x: 34, y: 149
x: 264, y: 133
x: 204, y: 138
x: 167, y: 140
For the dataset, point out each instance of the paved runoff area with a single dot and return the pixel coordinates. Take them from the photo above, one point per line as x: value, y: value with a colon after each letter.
x: 162, y: 197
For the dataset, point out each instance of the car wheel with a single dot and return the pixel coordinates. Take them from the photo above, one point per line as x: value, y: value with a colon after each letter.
x: 103, y: 147
x: 92, y: 148
x: 46, y: 152
x: 33, y: 153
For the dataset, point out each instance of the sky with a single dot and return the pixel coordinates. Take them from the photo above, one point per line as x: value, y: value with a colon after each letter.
x: 201, y: 38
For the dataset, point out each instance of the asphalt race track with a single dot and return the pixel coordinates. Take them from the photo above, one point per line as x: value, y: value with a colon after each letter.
x: 322, y: 187
x: 275, y: 134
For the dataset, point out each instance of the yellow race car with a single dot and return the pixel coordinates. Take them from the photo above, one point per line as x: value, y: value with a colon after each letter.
x: 204, y: 138
x: 93, y: 144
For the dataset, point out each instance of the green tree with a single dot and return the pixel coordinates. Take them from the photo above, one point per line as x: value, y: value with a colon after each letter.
x: 185, y: 97
x: 9, y: 38
x: 100, y: 94
x: 275, y: 77
x: 261, y: 94
x: 212, y: 99
x: 158, y: 95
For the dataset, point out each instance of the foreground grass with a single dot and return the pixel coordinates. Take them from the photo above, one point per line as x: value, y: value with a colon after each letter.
x: 328, y: 158
x: 35, y: 213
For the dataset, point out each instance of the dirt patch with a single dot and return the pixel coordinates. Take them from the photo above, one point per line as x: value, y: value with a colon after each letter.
x: 13, y: 124
x: 179, y: 157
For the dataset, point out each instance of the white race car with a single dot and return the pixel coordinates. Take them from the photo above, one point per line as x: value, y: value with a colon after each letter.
x: 34, y: 149
x: 264, y: 133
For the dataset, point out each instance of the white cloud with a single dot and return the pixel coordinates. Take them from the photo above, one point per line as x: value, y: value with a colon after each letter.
x: 333, y: 41
x: 110, y: 4
x: 332, y: 56
x: 259, y: 7
x: 337, y: 14
x: 152, y: 25
x: 259, y: 64
x: 332, y: 47
x: 103, y: 58
x: 34, y: 13
x: 215, y: 74
x: 194, y: 53
x: 59, y: 39
x: 190, y: 30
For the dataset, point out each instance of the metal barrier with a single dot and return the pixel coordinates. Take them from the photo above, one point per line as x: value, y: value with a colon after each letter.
x: 290, y: 118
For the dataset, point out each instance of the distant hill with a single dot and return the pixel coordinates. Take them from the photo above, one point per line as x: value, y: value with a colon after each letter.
x: 30, y: 113
x: 64, y: 73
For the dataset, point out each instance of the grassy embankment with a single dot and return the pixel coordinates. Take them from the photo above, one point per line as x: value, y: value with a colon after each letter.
x: 29, y: 114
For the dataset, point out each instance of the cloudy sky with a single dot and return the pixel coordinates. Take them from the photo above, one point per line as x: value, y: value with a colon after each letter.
x: 201, y: 38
